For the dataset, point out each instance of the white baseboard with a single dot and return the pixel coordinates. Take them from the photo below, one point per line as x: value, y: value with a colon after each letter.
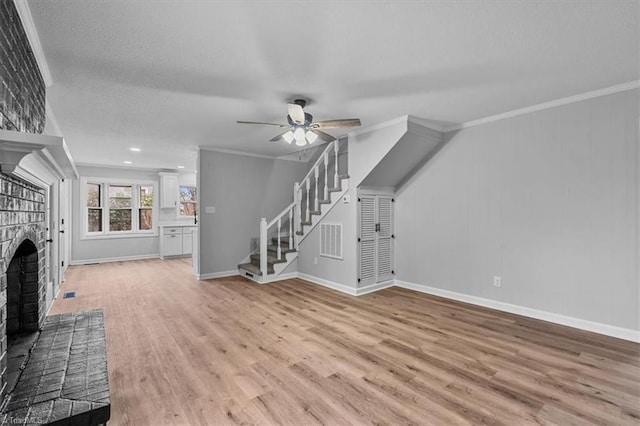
x: 329, y: 284
x: 114, y: 259
x: 217, y: 275
x: 608, y: 330
x: 281, y: 277
x: 374, y: 287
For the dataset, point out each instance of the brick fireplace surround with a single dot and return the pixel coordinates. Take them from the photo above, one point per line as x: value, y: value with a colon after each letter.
x: 22, y: 264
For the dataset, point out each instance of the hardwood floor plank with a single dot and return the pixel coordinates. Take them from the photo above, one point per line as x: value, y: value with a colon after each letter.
x: 228, y: 351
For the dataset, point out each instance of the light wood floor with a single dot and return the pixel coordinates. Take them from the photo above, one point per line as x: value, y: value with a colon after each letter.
x: 230, y: 351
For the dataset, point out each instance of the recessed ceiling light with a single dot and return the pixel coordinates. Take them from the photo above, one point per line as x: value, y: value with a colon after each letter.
x: 135, y: 149
x: 127, y: 162
x: 180, y: 167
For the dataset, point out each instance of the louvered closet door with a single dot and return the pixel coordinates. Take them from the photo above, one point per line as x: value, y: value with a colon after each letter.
x: 367, y: 245
x: 384, y: 245
x: 376, y: 242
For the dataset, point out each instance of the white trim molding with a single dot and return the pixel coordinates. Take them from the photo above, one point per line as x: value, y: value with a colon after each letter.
x: 546, y: 105
x: 371, y: 288
x: 34, y: 40
x: 595, y: 327
x: 114, y: 259
x: 329, y: 284
x: 223, y: 274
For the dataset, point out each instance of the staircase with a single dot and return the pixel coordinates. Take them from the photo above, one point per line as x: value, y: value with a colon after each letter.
x: 321, y: 189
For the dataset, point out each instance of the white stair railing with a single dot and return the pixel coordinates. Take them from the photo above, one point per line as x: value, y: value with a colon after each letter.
x: 294, y: 211
x: 288, y: 212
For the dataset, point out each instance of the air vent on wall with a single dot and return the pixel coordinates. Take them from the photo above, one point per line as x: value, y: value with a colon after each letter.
x: 331, y: 240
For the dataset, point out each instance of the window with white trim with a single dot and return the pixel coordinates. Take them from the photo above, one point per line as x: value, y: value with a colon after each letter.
x: 117, y: 207
x: 188, y: 201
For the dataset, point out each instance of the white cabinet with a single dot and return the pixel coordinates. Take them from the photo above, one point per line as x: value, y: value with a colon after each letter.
x: 168, y: 190
x: 187, y: 241
x: 176, y: 240
x: 172, y: 245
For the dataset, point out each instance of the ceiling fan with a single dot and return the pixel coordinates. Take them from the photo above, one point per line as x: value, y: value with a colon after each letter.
x: 302, y: 128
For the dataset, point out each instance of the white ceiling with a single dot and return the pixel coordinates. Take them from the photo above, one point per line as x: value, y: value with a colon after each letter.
x: 168, y: 76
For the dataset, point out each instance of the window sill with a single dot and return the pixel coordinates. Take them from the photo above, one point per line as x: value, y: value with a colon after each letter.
x: 118, y: 236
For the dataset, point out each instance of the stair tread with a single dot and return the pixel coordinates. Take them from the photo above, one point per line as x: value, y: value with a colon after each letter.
x: 253, y: 269
x: 343, y: 176
x: 283, y: 250
x: 270, y: 259
x: 316, y: 212
x: 284, y: 241
x: 324, y: 201
x: 335, y: 189
x: 306, y: 223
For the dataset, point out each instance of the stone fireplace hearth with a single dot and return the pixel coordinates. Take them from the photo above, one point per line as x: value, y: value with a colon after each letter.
x: 22, y: 274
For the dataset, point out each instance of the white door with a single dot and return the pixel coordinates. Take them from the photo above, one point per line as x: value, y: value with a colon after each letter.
x: 49, y: 249
x: 375, y: 241
x: 62, y: 220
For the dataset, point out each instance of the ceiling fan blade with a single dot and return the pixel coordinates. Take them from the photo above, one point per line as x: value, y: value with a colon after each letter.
x: 278, y: 137
x: 261, y: 123
x: 325, y: 137
x: 296, y: 113
x: 334, y: 124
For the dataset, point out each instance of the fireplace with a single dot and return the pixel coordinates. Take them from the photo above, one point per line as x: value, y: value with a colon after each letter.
x: 22, y: 274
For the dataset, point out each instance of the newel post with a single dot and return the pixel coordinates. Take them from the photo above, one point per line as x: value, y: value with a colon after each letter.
x: 263, y: 246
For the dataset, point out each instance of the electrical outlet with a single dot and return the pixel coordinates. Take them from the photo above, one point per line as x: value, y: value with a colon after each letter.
x: 497, y: 281
x: 315, y: 260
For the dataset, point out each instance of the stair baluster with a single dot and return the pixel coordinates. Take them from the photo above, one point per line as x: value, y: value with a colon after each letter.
x: 317, y: 197
x: 309, y: 199
x: 326, y: 174
x: 263, y: 246
x: 297, y: 199
x: 279, y: 243
x: 291, y: 228
x: 336, y: 179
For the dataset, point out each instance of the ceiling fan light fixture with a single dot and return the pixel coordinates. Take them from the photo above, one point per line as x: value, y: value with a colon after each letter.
x: 299, y: 135
x: 311, y: 136
x: 288, y: 136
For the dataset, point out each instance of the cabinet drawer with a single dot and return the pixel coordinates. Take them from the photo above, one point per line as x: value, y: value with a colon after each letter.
x: 168, y: 230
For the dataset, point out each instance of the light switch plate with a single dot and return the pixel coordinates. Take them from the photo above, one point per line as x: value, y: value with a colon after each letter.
x: 210, y: 209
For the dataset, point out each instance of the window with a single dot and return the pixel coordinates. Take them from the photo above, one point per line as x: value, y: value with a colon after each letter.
x: 188, y: 204
x: 116, y: 207
x: 94, y: 207
x: 120, y: 208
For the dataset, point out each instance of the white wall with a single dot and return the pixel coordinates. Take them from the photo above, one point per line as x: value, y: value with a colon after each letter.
x: 547, y: 200
x: 242, y: 189
x: 84, y: 251
x: 340, y: 271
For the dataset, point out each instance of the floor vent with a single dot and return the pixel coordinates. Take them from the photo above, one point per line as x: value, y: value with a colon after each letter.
x: 69, y: 295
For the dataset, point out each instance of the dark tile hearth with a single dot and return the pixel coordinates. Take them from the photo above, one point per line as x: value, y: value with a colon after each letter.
x: 64, y: 380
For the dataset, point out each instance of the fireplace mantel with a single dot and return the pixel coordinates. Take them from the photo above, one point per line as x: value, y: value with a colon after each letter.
x: 19, y: 152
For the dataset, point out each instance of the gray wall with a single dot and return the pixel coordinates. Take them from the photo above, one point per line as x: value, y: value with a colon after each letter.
x: 111, y: 248
x: 242, y: 189
x: 548, y: 201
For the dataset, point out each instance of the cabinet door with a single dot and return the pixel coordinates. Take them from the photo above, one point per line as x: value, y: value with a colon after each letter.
x: 367, y: 241
x: 172, y: 245
x: 375, y: 241
x: 187, y: 241
x: 169, y: 191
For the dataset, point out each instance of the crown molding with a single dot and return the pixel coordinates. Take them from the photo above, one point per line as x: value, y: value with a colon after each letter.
x: 245, y: 154
x: 546, y: 105
x: 126, y: 167
x: 32, y: 34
